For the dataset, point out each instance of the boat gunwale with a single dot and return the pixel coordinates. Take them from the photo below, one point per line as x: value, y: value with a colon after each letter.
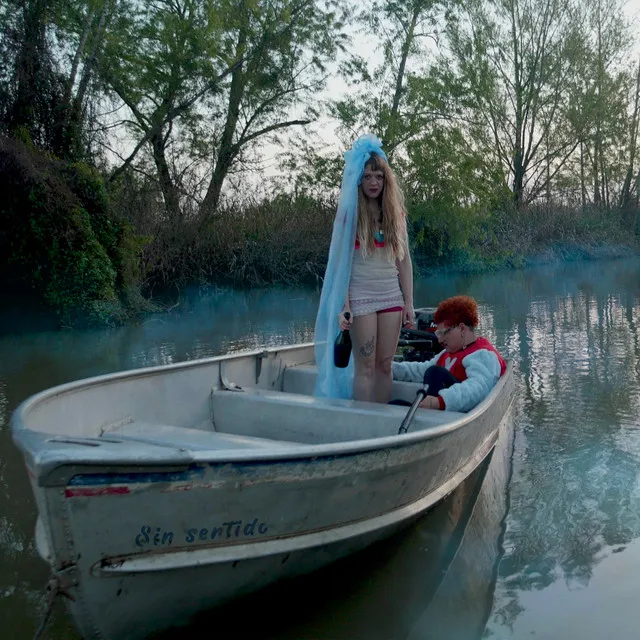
x: 182, y: 456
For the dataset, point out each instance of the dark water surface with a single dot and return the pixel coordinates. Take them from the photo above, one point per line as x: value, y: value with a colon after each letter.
x: 542, y: 542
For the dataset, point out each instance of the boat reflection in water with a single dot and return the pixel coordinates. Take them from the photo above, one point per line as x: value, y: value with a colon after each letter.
x: 433, y: 581
x: 460, y: 608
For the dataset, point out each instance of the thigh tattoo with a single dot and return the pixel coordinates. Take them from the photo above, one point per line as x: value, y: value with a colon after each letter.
x: 366, y: 350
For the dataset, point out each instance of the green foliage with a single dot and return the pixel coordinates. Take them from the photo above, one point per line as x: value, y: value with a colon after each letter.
x: 310, y: 173
x: 479, y: 104
x: 387, y: 96
x: 79, y: 271
x: 62, y: 240
x: 88, y: 186
x: 211, y: 81
x: 451, y: 190
x: 602, y: 110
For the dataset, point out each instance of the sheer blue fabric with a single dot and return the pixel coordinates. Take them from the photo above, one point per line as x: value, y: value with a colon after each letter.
x: 333, y: 382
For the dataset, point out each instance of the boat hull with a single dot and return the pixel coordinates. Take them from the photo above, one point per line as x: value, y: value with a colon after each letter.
x: 130, y: 596
x: 143, y: 547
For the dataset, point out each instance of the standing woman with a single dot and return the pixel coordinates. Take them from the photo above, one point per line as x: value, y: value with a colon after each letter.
x: 369, y: 275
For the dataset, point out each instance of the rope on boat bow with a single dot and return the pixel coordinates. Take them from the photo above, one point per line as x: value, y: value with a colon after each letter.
x: 53, y: 590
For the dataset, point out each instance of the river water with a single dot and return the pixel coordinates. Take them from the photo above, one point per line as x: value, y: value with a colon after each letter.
x: 543, y: 541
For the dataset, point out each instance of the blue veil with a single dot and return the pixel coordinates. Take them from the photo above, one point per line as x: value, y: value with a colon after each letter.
x: 331, y: 381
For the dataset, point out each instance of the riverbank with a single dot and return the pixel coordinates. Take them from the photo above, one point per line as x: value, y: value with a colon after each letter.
x: 21, y: 315
x: 284, y: 239
x: 94, y: 255
x: 560, y: 252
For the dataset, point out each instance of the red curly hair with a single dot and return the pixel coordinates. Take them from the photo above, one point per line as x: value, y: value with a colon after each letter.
x: 453, y: 311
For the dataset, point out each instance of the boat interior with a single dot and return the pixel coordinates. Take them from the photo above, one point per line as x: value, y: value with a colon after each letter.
x: 253, y: 401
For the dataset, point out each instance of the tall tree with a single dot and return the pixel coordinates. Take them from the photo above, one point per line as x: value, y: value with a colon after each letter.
x: 392, y: 95
x: 160, y: 59
x: 609, y: 39
x: 600, y: 107
x: 83, y: 25
x: 36, y: 85
x: 45, y: 96
x: 10, y: 27
x: 514, y: 58
x: 632, y: 175
x: 278, y: 51
x: 224, y: 74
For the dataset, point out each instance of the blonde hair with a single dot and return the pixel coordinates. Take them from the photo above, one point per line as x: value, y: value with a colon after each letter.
x: 394, y: 225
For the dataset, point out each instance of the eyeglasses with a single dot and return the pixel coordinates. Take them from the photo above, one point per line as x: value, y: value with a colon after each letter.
x: 441, y: 333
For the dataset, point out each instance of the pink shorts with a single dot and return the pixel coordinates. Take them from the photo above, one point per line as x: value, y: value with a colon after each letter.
x: 390, y: 310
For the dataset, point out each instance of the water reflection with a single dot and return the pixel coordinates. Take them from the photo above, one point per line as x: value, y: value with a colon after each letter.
x: 573, y: 504
x: 575, y: 483
x: 462, y: 603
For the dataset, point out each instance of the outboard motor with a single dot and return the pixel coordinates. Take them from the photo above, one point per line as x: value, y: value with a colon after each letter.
x: 420, y: 344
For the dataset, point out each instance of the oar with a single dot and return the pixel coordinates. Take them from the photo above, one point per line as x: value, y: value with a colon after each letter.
x: 421, y: 394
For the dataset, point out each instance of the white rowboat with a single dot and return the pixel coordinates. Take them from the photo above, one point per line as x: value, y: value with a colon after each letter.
x: 166, y: 491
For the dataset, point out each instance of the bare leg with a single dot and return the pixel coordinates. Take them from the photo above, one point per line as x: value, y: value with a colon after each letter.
x: 387, y: 343
x: 364, y: 337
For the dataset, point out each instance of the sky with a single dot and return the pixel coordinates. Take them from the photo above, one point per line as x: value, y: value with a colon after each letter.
x: 326, y: 127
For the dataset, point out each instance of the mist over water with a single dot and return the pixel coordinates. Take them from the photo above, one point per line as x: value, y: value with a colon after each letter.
x: 542, y: 544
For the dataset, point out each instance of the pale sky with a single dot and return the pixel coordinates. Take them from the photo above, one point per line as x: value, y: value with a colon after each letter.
x: 326, y: 127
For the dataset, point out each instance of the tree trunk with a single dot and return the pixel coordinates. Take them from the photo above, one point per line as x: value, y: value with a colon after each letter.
x: 169, y: 191
x: 29, y: 68
x: 71, y: 124
x: 518, y: 179
x: 391, y: 132
x: 78, y: 55
x: 518, y: 151
x: 583, y: 184
x: 548, y: 170
x: 596, y: 181
x: 598, y: 167
x: 625, y: 195
x: 92, y: 60
x: 227, y: 150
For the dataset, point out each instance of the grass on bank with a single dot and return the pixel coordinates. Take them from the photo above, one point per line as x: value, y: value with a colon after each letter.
x: 507, y: 239
x: 285, y: 241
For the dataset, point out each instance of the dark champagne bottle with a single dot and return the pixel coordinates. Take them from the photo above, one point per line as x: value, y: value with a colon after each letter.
x: 342, y: 347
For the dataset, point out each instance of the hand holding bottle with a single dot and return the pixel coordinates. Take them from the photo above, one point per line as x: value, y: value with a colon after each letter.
x: 342, y: 345
x: 345, y: 319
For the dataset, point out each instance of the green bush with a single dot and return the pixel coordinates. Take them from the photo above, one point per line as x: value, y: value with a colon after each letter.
x: 62, y: 240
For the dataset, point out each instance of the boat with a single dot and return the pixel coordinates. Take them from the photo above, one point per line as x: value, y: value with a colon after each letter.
x: 169, y: 490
